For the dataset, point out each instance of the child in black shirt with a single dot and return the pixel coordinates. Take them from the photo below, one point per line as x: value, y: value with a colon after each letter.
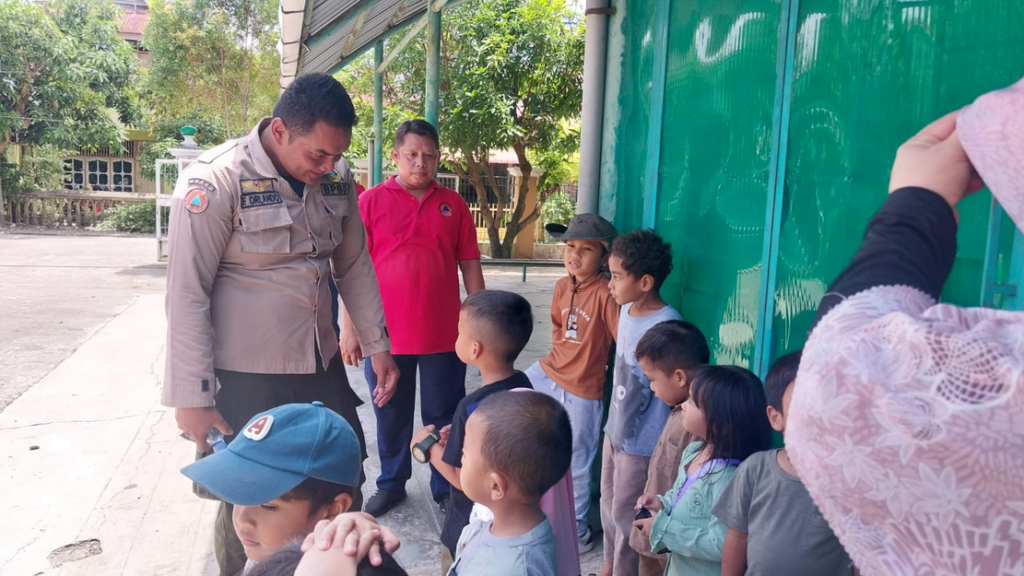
x: 494, y: 327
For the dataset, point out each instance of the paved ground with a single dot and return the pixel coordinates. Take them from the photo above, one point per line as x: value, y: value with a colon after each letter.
x: 56, y: 291
x: 90, y: 478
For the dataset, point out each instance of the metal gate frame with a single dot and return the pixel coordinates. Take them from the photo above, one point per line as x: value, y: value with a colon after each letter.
x: 163, y: 200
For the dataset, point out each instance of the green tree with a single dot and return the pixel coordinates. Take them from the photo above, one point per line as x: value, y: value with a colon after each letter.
x: 399, y: 98
x: 512, y: 78
x: 65, y: 76
x: 167, y: 135
x: 213, y: 58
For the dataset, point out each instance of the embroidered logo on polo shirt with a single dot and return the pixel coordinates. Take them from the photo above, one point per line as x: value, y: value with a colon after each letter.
x: 259, y: 429
x: 256, y: 193
x: 333, y: 176
x: 336, y: 189
x: 446, y: 210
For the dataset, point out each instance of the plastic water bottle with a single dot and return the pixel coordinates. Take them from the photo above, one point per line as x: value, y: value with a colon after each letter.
x: 216, y: 440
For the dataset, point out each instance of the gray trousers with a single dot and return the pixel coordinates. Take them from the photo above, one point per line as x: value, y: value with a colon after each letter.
x: 623, y: 477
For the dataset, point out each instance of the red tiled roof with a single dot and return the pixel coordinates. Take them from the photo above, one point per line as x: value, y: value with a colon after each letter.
x: 134, y: 22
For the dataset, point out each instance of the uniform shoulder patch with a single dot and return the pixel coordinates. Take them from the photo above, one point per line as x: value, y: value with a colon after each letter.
x: 216, y: 152
x: 194, y: 183
x: 197, y: 200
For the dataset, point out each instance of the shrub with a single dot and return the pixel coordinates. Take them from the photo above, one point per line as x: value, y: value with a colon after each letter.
x: 559, y: 208
x: 140, y: 218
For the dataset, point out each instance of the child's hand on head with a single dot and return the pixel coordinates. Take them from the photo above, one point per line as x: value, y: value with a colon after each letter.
x: 649, y: 501
x: 356, y: 534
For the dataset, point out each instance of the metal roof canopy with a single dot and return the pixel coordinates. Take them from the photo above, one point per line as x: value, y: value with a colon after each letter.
x: 326, y: 35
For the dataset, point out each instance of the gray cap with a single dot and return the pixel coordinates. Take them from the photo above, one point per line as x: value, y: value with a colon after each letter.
x: 584, y: 227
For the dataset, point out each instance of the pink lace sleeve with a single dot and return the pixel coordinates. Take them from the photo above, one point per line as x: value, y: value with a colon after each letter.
x: 907, y: 426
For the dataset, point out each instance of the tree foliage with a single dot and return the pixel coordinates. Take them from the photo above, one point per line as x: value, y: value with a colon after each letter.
x: 512, y: 78
x: 167, y: 134
x: 401, y: 100
x: 41, y: 168
x: 65, y: 77
x: 213, y: 58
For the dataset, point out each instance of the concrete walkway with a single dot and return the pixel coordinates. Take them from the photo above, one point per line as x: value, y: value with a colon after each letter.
x: 90, y: 479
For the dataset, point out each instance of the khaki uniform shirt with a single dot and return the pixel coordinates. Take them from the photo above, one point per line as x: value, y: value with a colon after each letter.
x: 247, y: 286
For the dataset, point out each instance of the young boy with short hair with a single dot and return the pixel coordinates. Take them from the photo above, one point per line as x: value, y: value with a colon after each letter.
x: 289, y: 468
x: 667, y: 353
x: 584, y: 318
x: 640, y: 261
x: 517, y: 447
x: 767, y: 509
x: 494, y: 327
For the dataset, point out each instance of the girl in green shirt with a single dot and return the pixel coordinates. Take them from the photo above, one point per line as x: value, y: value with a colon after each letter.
x: 727, y: 411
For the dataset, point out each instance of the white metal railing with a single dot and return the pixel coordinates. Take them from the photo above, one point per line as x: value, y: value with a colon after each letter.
x: 163, y: 201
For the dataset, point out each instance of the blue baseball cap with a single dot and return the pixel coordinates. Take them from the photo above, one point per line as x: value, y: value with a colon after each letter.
x: 276, y: 451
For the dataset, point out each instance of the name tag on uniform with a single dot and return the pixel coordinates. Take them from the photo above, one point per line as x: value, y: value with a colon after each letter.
x: 257, y: 193
x: 334, y: 189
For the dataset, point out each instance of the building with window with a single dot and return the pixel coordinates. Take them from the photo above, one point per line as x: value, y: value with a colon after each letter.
x: 133, y: 23
x: 108, y: 169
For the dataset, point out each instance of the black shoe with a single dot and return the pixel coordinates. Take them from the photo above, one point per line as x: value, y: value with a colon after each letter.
x: 443, y: 503
x: 382, y: 502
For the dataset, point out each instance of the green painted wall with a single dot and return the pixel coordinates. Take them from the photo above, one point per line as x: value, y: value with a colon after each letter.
x: 862, y: 78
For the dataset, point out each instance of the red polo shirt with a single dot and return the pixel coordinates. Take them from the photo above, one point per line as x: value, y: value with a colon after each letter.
x: 416, y: 247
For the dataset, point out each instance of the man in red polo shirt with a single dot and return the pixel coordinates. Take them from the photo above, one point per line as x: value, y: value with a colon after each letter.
x: 419, y: 234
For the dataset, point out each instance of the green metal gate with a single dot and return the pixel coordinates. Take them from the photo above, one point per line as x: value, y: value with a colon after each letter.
x: 756, y: 136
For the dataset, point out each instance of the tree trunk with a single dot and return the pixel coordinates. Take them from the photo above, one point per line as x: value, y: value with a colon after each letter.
x: 224, y: 95
x: 515, y: 221
x: 3, y: 212
x: 248, y: 56
x: 492, y: 224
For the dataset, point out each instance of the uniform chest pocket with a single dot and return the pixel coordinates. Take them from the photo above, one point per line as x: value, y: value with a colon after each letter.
x: 266, y: 230
x: 337, y: 208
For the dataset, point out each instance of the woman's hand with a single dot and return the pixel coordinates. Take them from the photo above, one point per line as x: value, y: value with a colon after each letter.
x: 934, y: 159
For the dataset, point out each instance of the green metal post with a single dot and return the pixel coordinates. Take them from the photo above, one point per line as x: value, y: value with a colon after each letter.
x: 664, y: 10
x: 378, y: 115
x: 433, y: 94
x: 776, y: 185
x: 989, y: 286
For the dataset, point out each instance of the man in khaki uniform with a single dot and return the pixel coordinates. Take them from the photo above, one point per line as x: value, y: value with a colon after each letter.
x: 257, y: 225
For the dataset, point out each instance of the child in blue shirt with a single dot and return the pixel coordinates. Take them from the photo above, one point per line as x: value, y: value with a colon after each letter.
x: 639, y: 262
